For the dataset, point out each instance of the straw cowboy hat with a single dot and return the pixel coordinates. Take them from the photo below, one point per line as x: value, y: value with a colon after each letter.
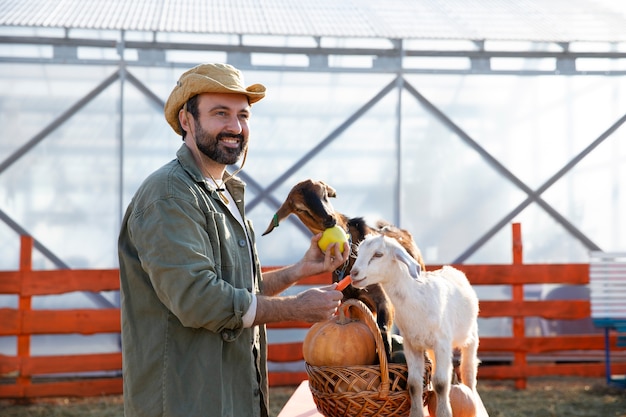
x: 208, y: 78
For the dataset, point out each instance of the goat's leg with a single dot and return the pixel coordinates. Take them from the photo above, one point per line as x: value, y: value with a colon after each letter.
x: 416, y: 366
x: 384, y: 320
x: 384, y: 315
x: 442, y: 379
x: 469, y: 361
x: 379, y: 304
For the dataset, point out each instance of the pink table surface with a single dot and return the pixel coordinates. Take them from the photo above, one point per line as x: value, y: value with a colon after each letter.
x: 301, y: 404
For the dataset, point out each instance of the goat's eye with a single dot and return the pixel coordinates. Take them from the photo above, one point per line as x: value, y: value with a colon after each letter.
x: 374, y: 256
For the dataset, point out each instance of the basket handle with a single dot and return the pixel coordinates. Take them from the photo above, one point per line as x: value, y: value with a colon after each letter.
x: 368, y: 318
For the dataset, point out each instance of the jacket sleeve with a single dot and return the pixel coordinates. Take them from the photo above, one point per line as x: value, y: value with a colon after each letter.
x: 192, y: 263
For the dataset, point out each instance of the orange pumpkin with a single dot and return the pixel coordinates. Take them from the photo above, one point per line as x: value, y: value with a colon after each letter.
x: 461, y: 401
x: 340, y: 341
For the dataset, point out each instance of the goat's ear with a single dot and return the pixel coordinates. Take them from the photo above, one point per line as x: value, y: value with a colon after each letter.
x: 330, y: 191
x: 281, y: 214
x: 414, y: 268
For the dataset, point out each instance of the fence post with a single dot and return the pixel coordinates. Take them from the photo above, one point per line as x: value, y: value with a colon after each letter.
x: 25, y: 304
x: 519, y: 327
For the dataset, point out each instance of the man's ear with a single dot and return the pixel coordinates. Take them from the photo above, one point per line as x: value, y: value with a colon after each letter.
x: 184, y: 120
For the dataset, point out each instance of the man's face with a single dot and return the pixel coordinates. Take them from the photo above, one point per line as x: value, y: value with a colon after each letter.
x: 221, y: 129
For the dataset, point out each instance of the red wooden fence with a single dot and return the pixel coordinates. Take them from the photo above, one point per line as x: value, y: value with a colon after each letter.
x: 21, y: 375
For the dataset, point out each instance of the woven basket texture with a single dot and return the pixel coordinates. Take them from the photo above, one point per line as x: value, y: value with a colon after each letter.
x: 366, y: 390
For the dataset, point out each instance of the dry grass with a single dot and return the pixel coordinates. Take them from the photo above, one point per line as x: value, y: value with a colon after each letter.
x: 544, y: 397
x: 554, y: 397
x: 110, y: 406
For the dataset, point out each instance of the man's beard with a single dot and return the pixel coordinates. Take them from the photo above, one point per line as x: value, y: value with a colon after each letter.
x: 209, y: 145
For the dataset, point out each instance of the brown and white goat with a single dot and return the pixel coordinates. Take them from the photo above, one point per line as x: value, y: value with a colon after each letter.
x: 309, y: 200
x: 435, y: 311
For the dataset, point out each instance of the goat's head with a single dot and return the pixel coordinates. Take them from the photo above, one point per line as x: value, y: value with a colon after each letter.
x: 309, y: 200
x: 378, y: 256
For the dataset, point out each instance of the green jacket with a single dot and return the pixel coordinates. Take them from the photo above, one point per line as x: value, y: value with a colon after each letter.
x: 185, y: 285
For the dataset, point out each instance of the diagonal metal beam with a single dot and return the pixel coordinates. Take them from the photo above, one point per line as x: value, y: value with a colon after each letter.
x: 58, y: 122
x: 467, y: 138
x: 574, y: 161
x: 97, y: 298
x: 37, y: 244
x: 534, y: 196
x: 323, y: 144
x: 566, y: 168
x: 154, y: 99
x: 492, y: 232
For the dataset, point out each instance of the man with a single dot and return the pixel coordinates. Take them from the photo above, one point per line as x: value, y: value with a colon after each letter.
x: 193, y: 299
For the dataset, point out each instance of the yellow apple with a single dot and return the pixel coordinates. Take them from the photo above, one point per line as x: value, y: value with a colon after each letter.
x: 333, y: 234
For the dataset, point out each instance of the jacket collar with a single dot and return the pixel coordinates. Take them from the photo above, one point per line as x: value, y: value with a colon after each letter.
x: 185, y: 157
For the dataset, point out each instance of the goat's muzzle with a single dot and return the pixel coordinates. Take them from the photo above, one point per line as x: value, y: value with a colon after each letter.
x: 329, y: 222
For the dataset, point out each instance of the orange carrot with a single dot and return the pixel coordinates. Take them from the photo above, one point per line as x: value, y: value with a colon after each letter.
x: 343, y: 283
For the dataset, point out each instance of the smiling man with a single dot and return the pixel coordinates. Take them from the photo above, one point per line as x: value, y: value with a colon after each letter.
x: 194, y: 301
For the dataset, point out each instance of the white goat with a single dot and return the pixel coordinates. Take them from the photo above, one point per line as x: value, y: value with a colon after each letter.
x: 434, y: 311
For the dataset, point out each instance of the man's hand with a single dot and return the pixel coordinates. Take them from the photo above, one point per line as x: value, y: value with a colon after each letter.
x: 315, y: 261
x: 312, y: 305
x: 317, y: 304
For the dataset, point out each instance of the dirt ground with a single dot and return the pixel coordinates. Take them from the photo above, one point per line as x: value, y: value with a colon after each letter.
x: 544, y: 397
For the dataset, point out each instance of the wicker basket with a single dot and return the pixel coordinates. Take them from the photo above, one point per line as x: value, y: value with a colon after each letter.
x: 367, y: 390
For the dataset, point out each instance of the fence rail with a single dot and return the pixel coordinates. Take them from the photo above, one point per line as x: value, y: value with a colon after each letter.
x: 26, y: 376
